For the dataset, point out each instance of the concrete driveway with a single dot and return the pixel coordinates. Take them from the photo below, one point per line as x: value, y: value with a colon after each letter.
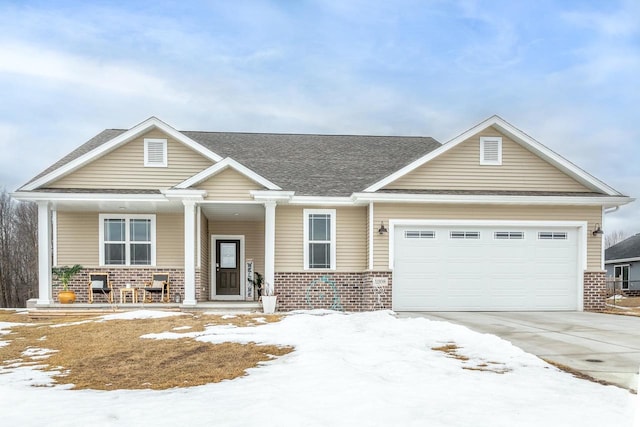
x: 603, y: 346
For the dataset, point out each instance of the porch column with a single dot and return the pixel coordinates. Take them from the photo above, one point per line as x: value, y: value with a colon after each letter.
x: 189, y: 253
x: 269, y: 242
x: 45, y: 295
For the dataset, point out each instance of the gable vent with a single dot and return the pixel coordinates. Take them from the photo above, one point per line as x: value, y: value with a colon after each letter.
x: 490, y: 151
x: 155, y: 153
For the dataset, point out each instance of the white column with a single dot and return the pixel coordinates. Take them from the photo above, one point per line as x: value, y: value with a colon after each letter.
x: 189, y: 253
x: 44, y: 254
x: 269, y: 242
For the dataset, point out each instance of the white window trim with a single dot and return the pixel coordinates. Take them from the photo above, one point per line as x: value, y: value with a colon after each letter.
x: 148, y: 164
x: 483, y: 140
x: 128, y: 217
x: 332, y: 243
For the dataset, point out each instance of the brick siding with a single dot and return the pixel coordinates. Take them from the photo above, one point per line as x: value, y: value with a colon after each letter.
x: 119, y: 278
x: 332, y: 291
x: 595, y: 290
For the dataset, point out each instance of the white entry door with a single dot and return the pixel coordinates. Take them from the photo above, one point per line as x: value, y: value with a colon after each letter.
x: 482, y: 268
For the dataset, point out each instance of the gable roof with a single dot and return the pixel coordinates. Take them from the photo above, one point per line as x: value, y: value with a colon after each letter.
x: 222, y: 165
x: 310, y: 165
x: 627, y: 249
x: 102, y: 144
x: 519, y: 137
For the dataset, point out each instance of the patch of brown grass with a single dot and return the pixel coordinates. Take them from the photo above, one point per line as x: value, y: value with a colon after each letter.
x: 626, y: 302
x: 111, y: 355
x: 451, y: 350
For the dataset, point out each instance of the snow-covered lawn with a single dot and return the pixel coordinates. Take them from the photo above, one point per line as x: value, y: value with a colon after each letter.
x: 366, y: 369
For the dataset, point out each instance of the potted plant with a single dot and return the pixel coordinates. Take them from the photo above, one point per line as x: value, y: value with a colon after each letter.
x: 268, y: 299
x: 64, y: 274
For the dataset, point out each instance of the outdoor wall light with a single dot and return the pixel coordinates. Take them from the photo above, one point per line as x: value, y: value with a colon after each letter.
x: 382, y: 228
x: 597, y: 231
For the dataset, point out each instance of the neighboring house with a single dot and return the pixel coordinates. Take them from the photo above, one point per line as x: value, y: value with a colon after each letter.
x: 622, y: 262
x: 491, y: 220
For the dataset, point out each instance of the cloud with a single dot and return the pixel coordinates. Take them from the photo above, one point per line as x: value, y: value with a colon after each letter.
x: 40, y: 62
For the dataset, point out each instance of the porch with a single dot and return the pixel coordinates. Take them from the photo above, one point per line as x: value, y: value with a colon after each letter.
x: 209, y: 248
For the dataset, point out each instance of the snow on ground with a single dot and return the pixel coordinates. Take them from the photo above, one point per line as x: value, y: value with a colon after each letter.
x: 368, y: 369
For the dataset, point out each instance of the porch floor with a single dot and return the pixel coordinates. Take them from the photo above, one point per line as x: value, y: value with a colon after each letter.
x: 78, y: 309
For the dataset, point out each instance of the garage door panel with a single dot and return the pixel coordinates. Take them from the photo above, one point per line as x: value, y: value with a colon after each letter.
x: 522, y: 273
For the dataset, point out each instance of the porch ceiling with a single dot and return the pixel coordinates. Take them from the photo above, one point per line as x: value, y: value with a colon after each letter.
x: 124, y: 206
x: 233, y: 211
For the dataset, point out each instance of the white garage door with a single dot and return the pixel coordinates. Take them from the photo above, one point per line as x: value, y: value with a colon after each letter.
x: 485, y: 268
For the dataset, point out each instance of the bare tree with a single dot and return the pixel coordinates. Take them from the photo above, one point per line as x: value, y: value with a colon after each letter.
x: 18, y: 251
x: 614, y: 237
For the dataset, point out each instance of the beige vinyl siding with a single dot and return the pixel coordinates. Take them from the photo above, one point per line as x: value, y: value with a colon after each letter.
x: 351, y: 236
x: 229, y: 185
x: 460, y: 169
x: 384, y: 212
x: 124, y: 167
x: 170, y: 240
x: 78, y: 239
x: 253, y: 232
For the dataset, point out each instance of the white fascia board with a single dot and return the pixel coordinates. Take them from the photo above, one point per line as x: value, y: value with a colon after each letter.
x: 31, y: 196
x: 272, y: 195
x: 519, y: 137
x: 491, y: 199
x: 321, y: 201
x: 618, y: 261
x: 222, y: 165
x: 184, y: 194
x: 125, y: 137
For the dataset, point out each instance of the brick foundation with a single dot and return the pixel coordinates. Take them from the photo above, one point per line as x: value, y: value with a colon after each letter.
x: 332, y: 291
x: 595, y: 290
x: 119, y: 278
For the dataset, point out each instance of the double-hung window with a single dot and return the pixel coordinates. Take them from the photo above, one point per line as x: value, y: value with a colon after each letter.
x: 127, y: 239
x: 319, y: 239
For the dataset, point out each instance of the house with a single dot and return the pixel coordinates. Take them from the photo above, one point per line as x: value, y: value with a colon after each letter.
x: 491, y: 220
x: 622, y: 262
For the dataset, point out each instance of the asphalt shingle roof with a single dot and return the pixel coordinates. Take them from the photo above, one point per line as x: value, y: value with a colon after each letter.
x: 629, y: 248
x: 318, y: 165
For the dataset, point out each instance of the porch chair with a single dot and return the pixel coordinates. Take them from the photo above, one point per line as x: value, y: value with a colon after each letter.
x: 159, y: 284
x: 99, y: 283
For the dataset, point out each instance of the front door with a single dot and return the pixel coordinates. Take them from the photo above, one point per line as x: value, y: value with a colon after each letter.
x: 228, y: 267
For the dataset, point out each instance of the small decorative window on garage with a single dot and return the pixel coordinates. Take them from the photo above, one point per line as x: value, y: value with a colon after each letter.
x: 464, y: 234
x: 419, y: 234
x: 508, y: 235
x: 552, y: 235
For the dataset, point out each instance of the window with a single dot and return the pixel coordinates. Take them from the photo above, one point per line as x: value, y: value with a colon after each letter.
x: 464, y: 234
x: 508, y: 235
x: 419, y: 234
x: 127, y: 239
x: 490, y: 150
x: 155, y: 153
x: 319, y: 239
x: 621, y: 274
x: 552, y: 235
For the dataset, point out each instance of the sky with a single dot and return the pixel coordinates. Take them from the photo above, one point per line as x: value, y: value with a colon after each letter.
x: 394, y: 373
x: 566, y: 73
